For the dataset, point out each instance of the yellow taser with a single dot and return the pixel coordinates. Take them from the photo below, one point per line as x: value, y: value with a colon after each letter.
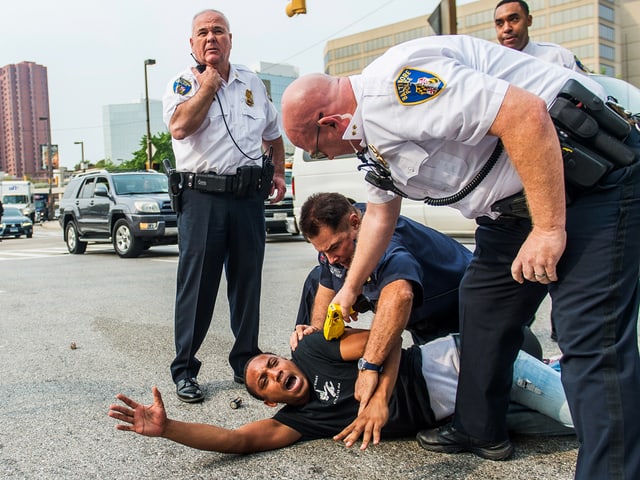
x: 334, y: 323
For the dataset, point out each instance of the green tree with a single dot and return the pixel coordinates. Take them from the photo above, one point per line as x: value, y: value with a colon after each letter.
x: 162, y: 147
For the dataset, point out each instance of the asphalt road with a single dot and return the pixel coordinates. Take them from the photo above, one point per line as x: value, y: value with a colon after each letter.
x: 77, y: 329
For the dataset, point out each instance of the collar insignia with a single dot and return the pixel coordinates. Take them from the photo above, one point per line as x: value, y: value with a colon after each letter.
x: 248, y: 97
x: 417, y: 86
x: 182, y: 86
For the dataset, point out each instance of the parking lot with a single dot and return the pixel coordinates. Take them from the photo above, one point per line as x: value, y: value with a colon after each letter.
x: 77, y: 329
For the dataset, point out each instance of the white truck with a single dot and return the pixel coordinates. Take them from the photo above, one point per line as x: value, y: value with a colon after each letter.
x: 342, y: 175
x: 18, y: 194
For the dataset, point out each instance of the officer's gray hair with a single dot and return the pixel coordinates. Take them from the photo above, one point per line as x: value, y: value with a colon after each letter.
x: 211, y: 10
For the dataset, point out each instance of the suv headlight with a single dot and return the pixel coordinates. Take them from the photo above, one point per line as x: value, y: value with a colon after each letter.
x: 147, y: 207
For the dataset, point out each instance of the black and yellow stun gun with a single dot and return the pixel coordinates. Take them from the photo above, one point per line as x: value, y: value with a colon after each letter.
x: 334, y: 323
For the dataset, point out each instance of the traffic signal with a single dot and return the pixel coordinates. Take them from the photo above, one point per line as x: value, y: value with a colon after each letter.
x: 296, y: 7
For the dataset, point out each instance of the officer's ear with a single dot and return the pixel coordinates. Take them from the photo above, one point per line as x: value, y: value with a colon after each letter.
x: 354, y: 221
x: 337, y: 120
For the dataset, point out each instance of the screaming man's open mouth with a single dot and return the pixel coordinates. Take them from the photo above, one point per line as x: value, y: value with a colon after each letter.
x: 291, y: 382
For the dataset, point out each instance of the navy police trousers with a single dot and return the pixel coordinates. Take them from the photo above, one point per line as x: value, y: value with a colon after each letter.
x: 595, y: 307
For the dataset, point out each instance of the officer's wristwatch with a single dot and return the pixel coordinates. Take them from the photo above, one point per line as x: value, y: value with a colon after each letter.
x: 364, y: 365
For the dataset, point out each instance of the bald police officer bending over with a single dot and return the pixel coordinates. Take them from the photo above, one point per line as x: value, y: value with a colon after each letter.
x: 426, y: 117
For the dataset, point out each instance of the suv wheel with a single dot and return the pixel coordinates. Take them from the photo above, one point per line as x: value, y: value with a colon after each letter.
x: 74, y: 245
x: 124, y: 243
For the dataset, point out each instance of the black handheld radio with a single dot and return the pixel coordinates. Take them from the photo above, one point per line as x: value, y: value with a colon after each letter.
x: 199, y: 66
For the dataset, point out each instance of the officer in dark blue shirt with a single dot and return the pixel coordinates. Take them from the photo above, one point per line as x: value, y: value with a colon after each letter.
x: 413, y: 287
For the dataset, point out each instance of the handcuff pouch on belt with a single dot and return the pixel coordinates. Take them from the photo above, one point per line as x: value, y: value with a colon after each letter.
x: 252, y: 178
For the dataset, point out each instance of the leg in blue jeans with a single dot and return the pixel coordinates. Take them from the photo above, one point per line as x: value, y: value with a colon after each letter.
x: 537, y: 389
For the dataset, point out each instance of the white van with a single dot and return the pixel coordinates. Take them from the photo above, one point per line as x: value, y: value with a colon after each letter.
x: 342, y: 175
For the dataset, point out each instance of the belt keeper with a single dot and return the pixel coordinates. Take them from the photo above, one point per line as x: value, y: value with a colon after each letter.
x: 190, y: 179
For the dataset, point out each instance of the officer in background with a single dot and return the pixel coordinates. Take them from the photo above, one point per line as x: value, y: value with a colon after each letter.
x: 221, y: 121
x: 426, y: 118
x: 512, y: 21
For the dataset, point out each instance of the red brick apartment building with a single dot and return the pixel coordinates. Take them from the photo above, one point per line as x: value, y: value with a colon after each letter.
x: 24, y: 118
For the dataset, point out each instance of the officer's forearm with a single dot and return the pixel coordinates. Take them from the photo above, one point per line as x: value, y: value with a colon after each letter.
x: 392, y: 314
x: 389, y: 374
x: 374, y: 237
x: 529, y: 137
x: 321, y: 303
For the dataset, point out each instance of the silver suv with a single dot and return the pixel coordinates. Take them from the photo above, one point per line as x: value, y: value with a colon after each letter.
x: 129, y: 209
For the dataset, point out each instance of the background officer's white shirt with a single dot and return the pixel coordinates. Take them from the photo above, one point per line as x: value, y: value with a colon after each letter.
x: 249, y: 113
x: 437, y: 146
x: 553, y: 53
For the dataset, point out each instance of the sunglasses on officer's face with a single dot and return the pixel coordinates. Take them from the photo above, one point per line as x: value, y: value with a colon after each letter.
x: 317, y: 154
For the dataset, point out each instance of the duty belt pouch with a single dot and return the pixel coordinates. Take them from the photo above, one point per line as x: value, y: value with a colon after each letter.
x: 589, y: 131
x: 605, y: 117
x: 247, y: 179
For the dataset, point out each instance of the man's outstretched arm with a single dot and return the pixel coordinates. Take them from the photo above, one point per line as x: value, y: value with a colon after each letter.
x: 151, y: 421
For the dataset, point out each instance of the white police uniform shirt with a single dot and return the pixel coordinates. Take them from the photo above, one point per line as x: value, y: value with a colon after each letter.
x: 554, y: 53
x: 427, y: 105
x: 249, y: 113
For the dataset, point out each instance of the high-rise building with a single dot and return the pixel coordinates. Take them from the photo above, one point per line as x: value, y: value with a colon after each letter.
x: 604, y: 34
x: 24, y: 101
x: 277, y: 78
x: 125, y: 125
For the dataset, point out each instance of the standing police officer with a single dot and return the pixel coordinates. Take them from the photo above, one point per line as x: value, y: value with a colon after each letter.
x: 429, y: 115
x: 512, y: 20
x: 221, y: 121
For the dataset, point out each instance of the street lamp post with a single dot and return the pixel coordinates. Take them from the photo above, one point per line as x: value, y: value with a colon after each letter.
x: 49, y: 168
x: 147, y: 62
x: 83, y: 166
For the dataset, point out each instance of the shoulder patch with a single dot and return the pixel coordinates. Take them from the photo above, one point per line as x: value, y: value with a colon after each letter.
x: 182, y: 86
x: 417, y: 86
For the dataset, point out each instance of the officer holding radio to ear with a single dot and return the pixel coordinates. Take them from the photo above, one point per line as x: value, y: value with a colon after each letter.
x: 429, y: 117
x: 222, y: 123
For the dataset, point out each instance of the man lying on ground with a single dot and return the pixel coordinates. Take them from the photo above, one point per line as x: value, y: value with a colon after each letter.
x: 416, y: 390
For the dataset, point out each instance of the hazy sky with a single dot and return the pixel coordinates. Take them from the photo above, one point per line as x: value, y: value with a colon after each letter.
x: 94, y: 51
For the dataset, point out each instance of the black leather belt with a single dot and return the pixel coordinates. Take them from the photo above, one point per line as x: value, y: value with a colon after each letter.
x: 210, y: 182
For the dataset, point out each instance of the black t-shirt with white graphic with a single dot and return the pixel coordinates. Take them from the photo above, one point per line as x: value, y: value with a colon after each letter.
x: 332, y: 407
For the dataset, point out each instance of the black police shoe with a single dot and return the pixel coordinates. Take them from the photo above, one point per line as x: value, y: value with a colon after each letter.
x: 447, y: 439
x: 189, y: 391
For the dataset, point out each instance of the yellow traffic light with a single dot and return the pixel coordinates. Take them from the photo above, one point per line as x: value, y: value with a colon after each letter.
x: 296, y: 7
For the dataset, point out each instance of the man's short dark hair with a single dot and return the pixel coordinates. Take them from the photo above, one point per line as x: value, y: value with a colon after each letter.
x: 522, y: 3
x: 251, y: 390
x: 323, y: 210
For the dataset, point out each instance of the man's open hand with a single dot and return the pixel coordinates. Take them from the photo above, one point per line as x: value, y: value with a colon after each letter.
x: 147, y: 420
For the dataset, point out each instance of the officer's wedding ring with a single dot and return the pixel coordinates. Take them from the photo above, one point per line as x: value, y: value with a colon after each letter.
x: 540, y: 275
